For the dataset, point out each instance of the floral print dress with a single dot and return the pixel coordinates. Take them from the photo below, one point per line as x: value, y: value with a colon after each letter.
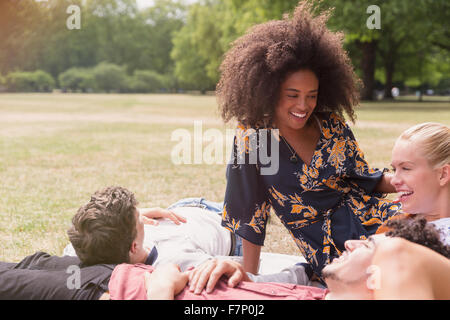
x: 321, y: 205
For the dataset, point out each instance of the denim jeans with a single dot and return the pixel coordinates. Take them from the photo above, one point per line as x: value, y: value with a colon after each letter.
x: 216, y: 207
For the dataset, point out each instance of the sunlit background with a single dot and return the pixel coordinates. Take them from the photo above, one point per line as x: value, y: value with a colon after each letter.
x: 81, y: 109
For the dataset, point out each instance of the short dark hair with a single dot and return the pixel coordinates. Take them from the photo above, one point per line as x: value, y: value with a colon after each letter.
x: 258, y: 62
x: 419, y: 231
x: 103, y: 229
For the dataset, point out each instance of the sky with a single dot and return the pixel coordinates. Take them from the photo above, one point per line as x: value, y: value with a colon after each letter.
x: 144, y: 3
x: 147, y: 3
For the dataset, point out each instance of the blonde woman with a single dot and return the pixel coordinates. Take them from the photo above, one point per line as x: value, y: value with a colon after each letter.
x: 421, y: 164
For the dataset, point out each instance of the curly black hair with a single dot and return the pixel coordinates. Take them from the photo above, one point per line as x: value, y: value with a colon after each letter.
x: 258, y: 63
x: 419, y: 231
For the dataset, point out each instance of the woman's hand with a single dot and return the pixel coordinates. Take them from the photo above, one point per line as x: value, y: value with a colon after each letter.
x: 149, y: 216
x: 208, y: 273
x: 165, y: 282
x: 385, y: 185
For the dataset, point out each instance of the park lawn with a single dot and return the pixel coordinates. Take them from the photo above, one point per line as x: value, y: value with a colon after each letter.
x: 57, y: 149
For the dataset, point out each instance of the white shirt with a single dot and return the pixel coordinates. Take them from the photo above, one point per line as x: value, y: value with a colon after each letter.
x: 201, y: 238
x: 188, y: 244
x: 443, y: 226
x: 191, y: 243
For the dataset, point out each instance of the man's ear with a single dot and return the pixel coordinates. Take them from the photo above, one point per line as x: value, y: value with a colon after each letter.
x: 133, y: 248
x: 445, y: 175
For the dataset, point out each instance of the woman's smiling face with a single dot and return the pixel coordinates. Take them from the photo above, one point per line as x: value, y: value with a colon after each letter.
x: 298, y: 99
x: 416, y: 182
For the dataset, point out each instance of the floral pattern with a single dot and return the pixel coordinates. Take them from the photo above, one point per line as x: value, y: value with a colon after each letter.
x: 321, y: 205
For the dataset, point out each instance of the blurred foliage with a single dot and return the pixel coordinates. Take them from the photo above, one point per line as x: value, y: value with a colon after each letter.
x: 109, y: 77
x: 77, y: 79
x: 37, y: 81
x: 144, y: 81
x: 173, y: 45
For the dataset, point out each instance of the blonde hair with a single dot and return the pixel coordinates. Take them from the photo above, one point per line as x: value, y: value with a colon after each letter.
x: 434, y: 141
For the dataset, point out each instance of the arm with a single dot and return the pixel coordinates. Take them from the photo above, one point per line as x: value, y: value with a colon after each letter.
x: 210, y: 272
x: 384, y: 185
x: 158, y: 290
x: 360, y: 172
x: 150, y: 214
x: 246, y: 204
x: 165, y: 282
x: 416, y: 272
x: 251, y: 256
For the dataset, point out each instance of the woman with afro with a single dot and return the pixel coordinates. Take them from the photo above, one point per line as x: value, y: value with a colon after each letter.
x: 293, y: 79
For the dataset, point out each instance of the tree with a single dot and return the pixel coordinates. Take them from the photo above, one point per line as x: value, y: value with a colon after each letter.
x: 43, y: 81
x: 21, y: 29
x: 33, y: 35
x: 155, y: 39
x: 210, y: 28
x: 77, y: 79
x: 437, y: 12
x: 109, y: 77
x: 423, y: 70
x: 37, y: 81
x: 186, y: 44
x: 144, y: 81
x: 406, y: 34
x: 351, y: 18
x: 196, y: 50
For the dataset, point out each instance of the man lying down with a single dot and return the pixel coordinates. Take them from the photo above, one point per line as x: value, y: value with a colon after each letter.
x: 109, y: 229
x: 119, y: 269
x: 190, y: 233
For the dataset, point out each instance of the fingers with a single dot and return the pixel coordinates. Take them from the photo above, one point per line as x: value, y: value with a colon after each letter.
x: 185, y: 278
x: 150, y: 221
x: 177, y: 219
x: 150, y: 214
x: 180, y: 218
x: 200, y: 276
x: 230, y: 269
x: 235, y: 278
x: 208, y: 274
x: 215, y: 276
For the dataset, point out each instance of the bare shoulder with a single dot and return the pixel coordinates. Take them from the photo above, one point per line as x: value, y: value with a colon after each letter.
x: 408, y: 257
x: 403, y: 249
x: 394, y: 245
x: 411, y: 270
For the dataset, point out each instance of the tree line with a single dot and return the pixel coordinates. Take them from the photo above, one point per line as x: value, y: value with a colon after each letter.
x: 174, y: 45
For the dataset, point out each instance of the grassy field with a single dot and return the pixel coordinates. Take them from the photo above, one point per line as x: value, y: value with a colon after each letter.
x: 57, y: 149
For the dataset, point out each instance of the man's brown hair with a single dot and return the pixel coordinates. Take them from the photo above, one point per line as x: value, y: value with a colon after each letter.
x: 103, y: 229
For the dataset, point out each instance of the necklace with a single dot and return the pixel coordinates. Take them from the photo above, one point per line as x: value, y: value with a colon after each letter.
x: 293, y: 159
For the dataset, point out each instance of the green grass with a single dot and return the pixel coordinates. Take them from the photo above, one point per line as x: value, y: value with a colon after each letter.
x: 57, y: 149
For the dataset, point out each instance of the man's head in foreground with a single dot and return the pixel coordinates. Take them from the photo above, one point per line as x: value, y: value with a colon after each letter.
x: 108, y: 229
x: 354, y: 275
